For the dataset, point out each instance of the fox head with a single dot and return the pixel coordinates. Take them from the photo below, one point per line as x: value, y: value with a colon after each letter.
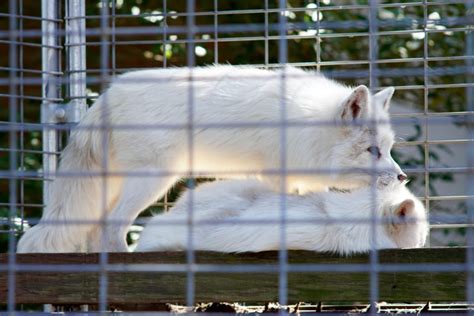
x: 364, y: 140
x: 405, y: 218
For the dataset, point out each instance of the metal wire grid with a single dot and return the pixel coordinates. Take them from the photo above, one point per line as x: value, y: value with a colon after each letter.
x: 75, y: 33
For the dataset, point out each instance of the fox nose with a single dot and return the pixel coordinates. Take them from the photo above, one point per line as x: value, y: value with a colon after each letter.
x: 402, y: 177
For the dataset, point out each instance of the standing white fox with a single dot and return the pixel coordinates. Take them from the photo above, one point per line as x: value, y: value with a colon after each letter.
x: 244, y: 215
x: 147, y: 144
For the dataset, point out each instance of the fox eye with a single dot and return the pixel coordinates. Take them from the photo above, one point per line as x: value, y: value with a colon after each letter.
x: 374, y: 151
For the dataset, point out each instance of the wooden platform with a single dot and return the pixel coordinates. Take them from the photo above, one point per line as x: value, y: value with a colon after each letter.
x: 145, y: 278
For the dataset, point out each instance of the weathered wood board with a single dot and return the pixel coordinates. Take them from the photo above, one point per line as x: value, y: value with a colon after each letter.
x: 55, y: 285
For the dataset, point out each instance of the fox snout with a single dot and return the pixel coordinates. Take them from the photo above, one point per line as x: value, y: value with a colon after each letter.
x: 401, y: 176
x: 391, y: 173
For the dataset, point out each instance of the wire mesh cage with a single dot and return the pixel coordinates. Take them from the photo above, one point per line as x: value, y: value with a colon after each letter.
x: 63, y: 54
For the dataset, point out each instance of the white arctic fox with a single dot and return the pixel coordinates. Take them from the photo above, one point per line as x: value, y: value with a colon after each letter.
x: 148, y: 141
x: 223, y: 213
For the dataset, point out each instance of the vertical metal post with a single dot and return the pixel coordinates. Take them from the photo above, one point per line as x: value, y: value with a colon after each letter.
x: 216, y: 31
x: 470, y: 159
x: 283, y: 172
x: 373, y: 84
x: 191, y: 62
x: 51, y: 112
x: 426, y: 81
x: 373, y: 45
x: 105, y: 125
x: 13, y: 157
x: 50, y: 56
x: 51, y: 88
x: 318, y: 35
x: 76, y: 64
x: 76, y: 58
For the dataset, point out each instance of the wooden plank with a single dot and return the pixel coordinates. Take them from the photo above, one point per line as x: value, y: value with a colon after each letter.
x: 73, y: 287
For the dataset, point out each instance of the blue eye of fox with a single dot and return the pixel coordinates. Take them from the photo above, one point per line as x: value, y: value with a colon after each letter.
x: 375, y: 151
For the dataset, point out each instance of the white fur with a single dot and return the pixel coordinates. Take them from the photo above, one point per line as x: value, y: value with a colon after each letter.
x: 220, y: 95
x: 337, y: 222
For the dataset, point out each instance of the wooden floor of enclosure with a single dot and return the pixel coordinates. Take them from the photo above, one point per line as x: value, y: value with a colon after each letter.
x: 414, y: 275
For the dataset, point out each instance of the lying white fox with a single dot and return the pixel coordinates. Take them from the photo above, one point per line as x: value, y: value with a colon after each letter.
x: 147, y: 145
x: 223, y: 213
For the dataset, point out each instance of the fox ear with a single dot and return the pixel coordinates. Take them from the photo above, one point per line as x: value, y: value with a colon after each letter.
x: 405, y: 208
x: 383, y: 97
x: 356, y: 105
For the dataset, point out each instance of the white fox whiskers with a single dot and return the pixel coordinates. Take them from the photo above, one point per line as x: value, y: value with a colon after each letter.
x: 236, y: 132
x: 243, y: 215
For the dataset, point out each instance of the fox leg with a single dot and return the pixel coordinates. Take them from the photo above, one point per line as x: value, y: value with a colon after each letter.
x: 137, y: 194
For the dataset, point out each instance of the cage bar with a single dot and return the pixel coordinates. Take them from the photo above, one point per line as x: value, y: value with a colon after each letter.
x: 76, y: 59
x: 51, y: 88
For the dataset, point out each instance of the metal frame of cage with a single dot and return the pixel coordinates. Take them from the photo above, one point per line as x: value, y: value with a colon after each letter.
x: 75, y: 31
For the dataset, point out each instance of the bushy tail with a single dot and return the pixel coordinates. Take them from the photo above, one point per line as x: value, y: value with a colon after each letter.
x: 75, y: 199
